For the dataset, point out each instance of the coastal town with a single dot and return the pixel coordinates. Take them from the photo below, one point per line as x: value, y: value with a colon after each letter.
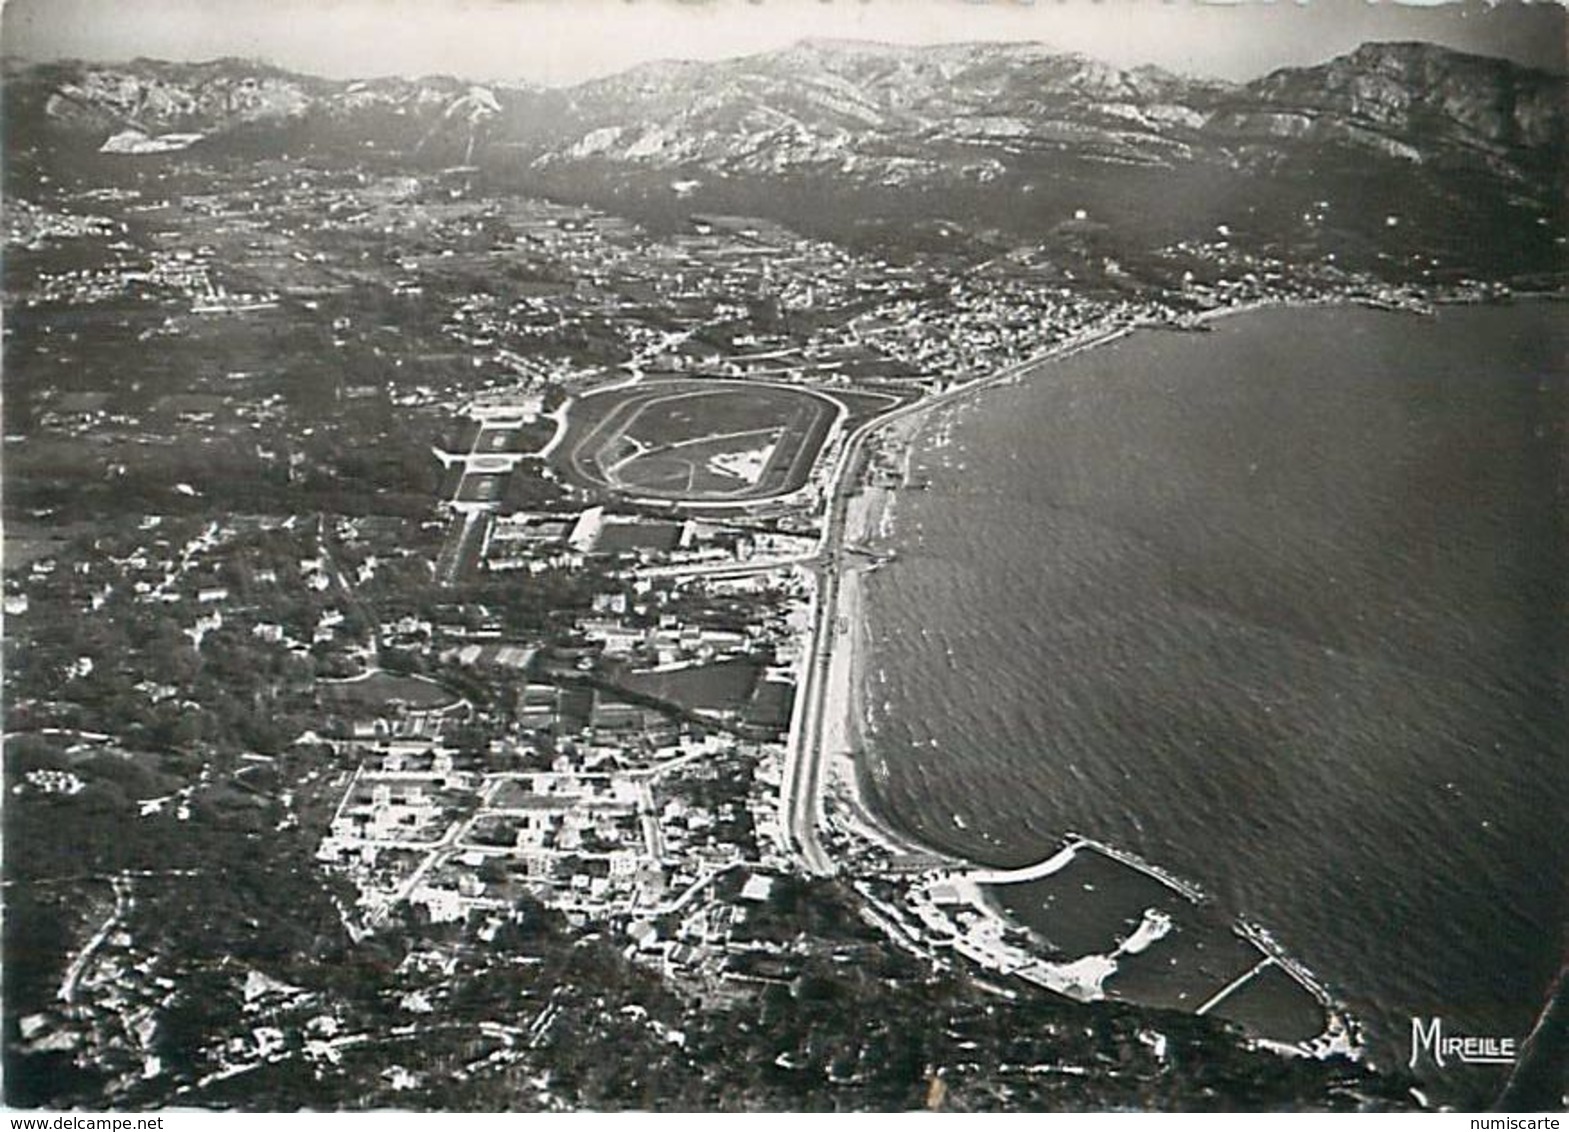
x: 432, y: 612
x: 648, y: 763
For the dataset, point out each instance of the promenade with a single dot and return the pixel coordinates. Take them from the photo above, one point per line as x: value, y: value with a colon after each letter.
x: 826, y: 721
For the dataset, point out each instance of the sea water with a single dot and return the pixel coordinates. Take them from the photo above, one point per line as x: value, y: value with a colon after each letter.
x: 1283, y: 607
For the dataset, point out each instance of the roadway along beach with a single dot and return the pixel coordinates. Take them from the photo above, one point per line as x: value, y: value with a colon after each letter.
x: 827, y: 726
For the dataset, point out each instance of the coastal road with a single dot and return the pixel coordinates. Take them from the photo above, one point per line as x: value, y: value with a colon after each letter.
x: 833, y: 618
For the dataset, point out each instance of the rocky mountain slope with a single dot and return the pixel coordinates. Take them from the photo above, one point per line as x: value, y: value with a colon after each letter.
x: 995, y: 134
x: 883, y: 113
x: 833, y: 102
x: 1409, y: 100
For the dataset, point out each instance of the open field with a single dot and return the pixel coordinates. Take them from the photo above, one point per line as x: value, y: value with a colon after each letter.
x: 498, y: 440
x: 481, y: 487
x: 374, y: 692
x: 515, y: 795
x: 24, y: 550
x: 698, y: 441
x: 725, y: 686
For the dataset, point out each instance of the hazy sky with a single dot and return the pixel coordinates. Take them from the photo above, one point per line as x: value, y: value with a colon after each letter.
x: 564, y: 41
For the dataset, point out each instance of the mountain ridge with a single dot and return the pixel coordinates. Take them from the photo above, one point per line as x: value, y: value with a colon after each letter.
x: 1470, y: 149
x: 1370, y: 57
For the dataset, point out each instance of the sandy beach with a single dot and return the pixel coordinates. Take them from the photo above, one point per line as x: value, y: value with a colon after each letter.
x: 845, y: 726
x: 868, y: 527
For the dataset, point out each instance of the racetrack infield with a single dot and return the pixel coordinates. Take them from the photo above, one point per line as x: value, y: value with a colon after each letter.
x: 715, y: 442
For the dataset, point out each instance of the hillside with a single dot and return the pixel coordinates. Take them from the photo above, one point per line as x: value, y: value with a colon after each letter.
x: 869, y: 142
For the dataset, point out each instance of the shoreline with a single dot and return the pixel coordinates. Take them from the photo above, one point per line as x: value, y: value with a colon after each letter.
x: 847, y: 792
x: 846, y: 728
x: 827, y: 693
x: 845, y: 700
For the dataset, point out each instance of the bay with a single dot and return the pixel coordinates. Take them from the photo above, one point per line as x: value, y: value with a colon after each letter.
x: 1283, y: 607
